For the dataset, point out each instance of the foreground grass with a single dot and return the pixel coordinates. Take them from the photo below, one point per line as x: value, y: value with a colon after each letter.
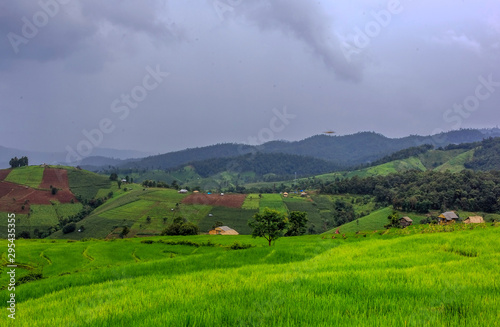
x: 436, y: 279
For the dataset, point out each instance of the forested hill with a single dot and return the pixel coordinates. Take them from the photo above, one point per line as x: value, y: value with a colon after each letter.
x: 487, y: 156
x: 347, y: 150
x: 284, y: 165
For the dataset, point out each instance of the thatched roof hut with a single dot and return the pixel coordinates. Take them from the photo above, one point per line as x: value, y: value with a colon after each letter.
x: 447, y: 217
x: 474, y: 220
x: 405, y: 221
x: 223, y: 230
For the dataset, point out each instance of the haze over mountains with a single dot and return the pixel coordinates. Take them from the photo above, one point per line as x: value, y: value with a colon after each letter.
x: 341, y: 151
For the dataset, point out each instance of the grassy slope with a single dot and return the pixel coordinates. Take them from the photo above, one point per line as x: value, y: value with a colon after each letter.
x: 456, y: 164
x: 438, y: 279
x: 28, y: 175
x: 87, y: 184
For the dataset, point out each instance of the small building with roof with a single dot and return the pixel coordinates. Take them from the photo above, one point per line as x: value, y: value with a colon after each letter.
x: 223, y: 230
x: 447, y: 217
x: 474, y: 220
x: 405, y: 222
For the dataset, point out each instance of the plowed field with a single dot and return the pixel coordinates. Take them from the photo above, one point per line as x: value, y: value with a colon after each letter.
x: 227, y: 200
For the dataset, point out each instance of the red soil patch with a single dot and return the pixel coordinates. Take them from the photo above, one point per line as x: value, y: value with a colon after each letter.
x: 58, y: 178
x: 227, y: 200
x: 4, y: 173
x: 14, y: 196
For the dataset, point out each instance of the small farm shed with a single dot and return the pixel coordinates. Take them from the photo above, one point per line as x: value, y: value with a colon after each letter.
x: 223, y: 230
x: 182, y: 191
x: 303, y: 194
x: 405, y: 222
x: 447, y: 217
x: 285, y: 195
x: 474, y: 220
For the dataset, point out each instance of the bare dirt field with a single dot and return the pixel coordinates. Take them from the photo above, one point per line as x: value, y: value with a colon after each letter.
x: 58, y: 178
x: 227, y: 200
x: 4, y: 173
x: 14, y: 196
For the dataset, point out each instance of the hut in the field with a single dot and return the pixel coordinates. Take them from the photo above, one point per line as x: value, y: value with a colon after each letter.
x: 223, y: 230
x: 447, y: 217
x: 285, y: 195
x: 405, y: 222
x: 474, y: 220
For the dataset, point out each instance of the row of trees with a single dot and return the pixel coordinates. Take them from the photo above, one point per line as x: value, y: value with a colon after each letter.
x: 18, y: 162
x: 423, y: 191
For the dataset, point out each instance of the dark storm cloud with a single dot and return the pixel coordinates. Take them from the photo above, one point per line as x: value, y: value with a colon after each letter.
x: 232, y: 62
x: 306, y: 21
x: 55, y: 29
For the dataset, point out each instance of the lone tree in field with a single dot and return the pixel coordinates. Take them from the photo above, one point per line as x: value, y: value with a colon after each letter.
x: 297, y: 223
x: 270, y: 224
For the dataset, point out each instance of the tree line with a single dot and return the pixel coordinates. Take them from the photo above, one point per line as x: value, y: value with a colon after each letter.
x: 430, y: 190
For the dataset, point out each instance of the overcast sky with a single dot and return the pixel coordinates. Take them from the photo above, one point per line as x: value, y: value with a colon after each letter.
x: 165, y: 75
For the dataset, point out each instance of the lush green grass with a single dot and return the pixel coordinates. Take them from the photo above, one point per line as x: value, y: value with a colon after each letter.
x: 456, y: 164
x: 436, y: 279
x: 28, y: 175
x: 313, y: 214
x: 252, y: 201
x: 43, y: 216
x: 434, y: 158
x: 374, y: 221
x: 273, y: 201
x: 232, y: 217
x: 87, y: 184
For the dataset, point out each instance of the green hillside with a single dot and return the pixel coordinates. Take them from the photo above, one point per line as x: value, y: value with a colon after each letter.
x: 27, y: 175
x: 422, y: 279
x: 457, y: 163
x: 375, y: 221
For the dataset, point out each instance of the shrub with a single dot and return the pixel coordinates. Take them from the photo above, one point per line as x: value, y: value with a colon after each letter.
x: 69, y: 228
x: 180, y: 227
x: 239, y: 246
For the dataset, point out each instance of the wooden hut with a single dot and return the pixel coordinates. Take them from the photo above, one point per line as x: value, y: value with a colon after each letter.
x: 474, y: 220
x: 223, y: 230
x: 405, y: 222
x: 285, y: 195
x: 447, y: 217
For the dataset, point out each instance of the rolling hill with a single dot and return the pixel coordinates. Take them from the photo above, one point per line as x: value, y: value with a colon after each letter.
x: 399, y: 278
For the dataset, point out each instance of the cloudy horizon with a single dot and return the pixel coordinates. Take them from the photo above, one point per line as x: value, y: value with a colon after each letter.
x: 176, y: 74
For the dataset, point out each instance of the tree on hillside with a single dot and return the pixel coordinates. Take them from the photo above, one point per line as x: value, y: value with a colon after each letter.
x: 124, y: 232
x: 18, y: 162
x: 181, y: 227
x: 393, y: 220
x: 113, y: 177
x: 269, y: 224
x: 297, y: 223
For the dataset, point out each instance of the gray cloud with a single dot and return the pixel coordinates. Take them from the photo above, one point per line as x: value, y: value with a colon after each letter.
x: 306, y: 21
x: 227, y: 76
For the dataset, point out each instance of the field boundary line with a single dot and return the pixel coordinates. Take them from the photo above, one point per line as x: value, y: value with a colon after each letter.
x: 86, y: 255
x: 136, y: 258
x: 44, y: 256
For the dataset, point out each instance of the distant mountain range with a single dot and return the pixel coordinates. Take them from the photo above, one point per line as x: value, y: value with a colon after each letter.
x: 341, y: 151
x: 344, y: 151
x: 101, y: 157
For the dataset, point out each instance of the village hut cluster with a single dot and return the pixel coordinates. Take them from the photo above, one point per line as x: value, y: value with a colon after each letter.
x: 448, y: 217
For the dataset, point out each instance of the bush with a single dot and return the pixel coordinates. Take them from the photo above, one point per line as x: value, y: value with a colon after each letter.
x: 69, y: 228
x: 239, y: 246
x: 180, y: 227
x: 29, y: 277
